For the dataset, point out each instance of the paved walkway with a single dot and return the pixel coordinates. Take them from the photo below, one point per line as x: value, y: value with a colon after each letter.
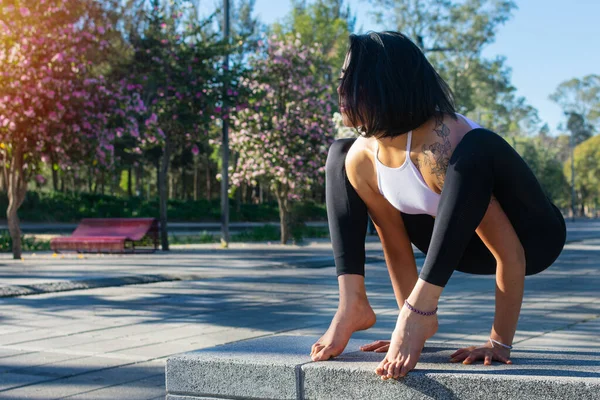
x: 112, y: 342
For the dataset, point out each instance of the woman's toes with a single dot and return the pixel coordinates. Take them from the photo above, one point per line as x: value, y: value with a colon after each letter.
x: 397, y: 368
x: 391, y: 368
x: 325, y: 354
x: 316, y: 348
x: 381, y: 368
x: 315, y: 355
x: 406, y: 367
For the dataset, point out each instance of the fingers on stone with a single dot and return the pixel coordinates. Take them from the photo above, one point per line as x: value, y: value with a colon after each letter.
x: 383, y: 349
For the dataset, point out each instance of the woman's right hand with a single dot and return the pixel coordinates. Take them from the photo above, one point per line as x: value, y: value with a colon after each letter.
x: 380, y: 346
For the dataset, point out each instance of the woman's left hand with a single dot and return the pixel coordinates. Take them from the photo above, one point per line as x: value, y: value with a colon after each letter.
x: 487, y: 353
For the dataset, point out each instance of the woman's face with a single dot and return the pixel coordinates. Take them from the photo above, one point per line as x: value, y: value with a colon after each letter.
x: 345, y: 120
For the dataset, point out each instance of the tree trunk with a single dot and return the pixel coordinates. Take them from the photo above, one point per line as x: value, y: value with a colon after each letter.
x: 184, y: 191
x: 90, y: 181
x: 17, y: 188
x: 169, y: 179
x: 284, y: 217
x: 238, y: 198
x: 4, y: 186
x: 158, y: 178
x: 129, y: 181
x: 54, y: 173
x: 208, y: 182
x: 102, y: 185
x: 163, y: 195
x: 139, y: 184
x: 196, y: 180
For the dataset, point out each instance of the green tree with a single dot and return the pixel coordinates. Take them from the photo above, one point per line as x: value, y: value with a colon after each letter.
x: 581, y: 97
x: 326, y: 22
x: 580, y: 129
x: 453, y: 35
x: 587, y: 173
x: 542, y: 158
x: 176, y: 64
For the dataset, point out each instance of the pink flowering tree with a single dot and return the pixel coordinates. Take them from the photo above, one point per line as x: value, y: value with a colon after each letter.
x: 176, y: 67
x: 52, y: 108
x: 282, y: 138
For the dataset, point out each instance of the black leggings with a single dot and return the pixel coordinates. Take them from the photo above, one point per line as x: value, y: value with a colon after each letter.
x: 482, y: 164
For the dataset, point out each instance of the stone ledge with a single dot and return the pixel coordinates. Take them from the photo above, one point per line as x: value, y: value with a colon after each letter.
x: 278, y: 367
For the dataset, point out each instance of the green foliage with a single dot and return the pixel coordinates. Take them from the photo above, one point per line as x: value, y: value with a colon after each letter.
x: 69, y: 207
x: 580, y: 96
x: 580, y: 129
x: 28, y: 243
x: 543, y: 161
x: 587, y: 172
x: 327, y: 22
x: 204, y: 237
x: 265, y: 233
x: 258, y: 234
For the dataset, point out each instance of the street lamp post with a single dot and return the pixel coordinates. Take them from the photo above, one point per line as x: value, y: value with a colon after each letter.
x: 225, y: 139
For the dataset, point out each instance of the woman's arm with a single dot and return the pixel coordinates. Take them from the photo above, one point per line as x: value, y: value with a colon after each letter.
x: 388, y: 221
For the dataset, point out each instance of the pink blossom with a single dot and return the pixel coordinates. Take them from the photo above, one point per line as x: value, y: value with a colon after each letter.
x: 195, y: 150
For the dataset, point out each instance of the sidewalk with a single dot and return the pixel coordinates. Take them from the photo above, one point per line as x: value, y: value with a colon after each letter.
x: 112, y: 342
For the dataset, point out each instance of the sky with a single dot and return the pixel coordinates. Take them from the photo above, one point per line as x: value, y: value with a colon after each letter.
x: 545, y: 43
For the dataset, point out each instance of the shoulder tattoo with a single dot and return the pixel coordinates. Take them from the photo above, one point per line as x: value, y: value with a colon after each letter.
x: 437, y: 155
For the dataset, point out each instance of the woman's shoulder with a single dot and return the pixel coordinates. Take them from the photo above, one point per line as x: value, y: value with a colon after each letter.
x: 360, y: 163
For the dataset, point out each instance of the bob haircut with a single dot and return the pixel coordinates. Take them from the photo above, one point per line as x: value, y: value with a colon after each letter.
x: 389, y: 88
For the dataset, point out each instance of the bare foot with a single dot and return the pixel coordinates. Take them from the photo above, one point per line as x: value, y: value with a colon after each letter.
x: 408, y: 339
x: 348, y: 319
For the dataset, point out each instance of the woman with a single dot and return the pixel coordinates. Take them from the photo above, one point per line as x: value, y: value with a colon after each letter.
x: 429, y: 176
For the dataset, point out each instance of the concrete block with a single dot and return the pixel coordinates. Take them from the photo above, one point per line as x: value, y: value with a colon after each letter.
x: 278, y: 367
x: 535, y: 374
x: 263, y: 368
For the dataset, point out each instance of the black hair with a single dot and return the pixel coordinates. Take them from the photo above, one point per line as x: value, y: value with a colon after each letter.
x: 389, y: 87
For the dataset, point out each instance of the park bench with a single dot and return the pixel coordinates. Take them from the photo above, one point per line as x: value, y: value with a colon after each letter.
x: 110, y: 235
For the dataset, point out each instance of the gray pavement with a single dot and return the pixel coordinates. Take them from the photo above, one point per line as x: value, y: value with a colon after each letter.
x: 112, y: 342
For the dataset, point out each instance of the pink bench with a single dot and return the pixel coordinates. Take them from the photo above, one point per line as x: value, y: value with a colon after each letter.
x: 110, y: 235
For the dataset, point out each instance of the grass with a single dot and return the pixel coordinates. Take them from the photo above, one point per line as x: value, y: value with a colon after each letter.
x: 265, y: 233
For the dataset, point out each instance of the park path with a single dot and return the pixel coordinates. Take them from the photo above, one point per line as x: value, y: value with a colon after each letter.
x: 112, y: 343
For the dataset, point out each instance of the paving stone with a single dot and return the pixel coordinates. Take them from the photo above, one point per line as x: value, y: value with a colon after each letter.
x: 85, y: 382
x: 152, y: 387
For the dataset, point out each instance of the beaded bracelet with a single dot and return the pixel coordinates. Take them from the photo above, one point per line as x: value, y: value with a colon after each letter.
x: 492, y: 342
x: 424, y: 313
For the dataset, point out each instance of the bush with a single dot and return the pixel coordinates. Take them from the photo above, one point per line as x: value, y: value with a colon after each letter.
x: 72, y: 207
x: 265, y: 233
x: 28, y: 244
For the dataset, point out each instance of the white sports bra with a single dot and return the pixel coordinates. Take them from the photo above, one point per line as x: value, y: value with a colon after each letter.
x: 404, y: 187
